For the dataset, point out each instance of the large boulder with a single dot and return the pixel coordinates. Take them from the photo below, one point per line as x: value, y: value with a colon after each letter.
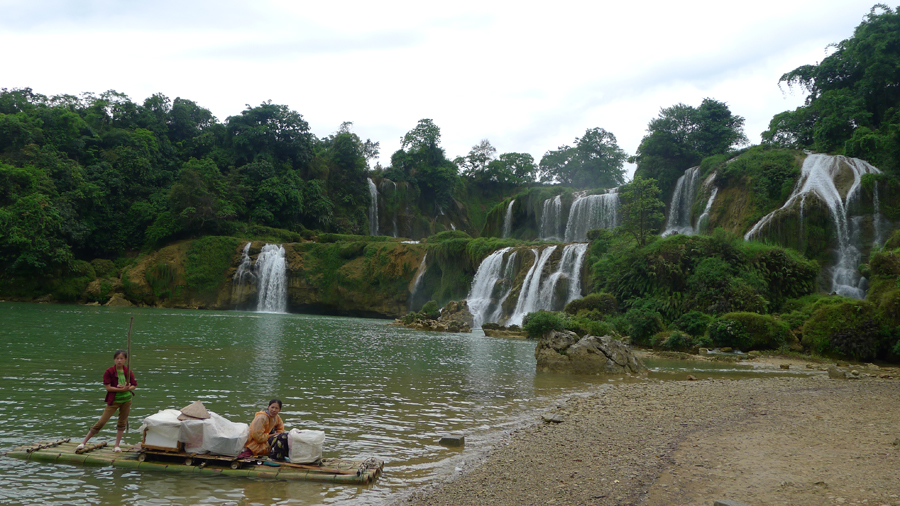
x: 457, y: 311
x: 564, y: 351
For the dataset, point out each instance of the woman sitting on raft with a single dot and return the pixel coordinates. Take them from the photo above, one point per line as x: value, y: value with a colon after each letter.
x: 264, y: 428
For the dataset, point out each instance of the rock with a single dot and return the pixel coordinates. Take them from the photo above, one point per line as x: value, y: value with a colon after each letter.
x: 504, y: 332
x: 727, y: 350
x: 835, y: 373
x: 785, y: 366
x: 854, y: 374
x: 703, y: 351
x: 728, y: 502
x: 457, y: 311
x: 554, y: 418
x: 563, y: 351
x: 119, y: 300
x: 691, y: 377
x: 453, y: 440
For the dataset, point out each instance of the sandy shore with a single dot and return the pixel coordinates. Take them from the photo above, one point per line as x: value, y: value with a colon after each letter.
x: 806, y: 440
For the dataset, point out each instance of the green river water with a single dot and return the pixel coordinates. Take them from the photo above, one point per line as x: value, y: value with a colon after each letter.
x: 376, y: 391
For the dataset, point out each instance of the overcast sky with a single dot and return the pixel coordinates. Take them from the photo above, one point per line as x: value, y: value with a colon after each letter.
x: 529, y: 77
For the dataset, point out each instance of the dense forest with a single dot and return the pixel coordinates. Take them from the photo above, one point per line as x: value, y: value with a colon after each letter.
x: 91, y: 183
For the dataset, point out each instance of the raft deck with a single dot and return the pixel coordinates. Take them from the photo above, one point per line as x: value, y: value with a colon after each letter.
x: 359, y: 472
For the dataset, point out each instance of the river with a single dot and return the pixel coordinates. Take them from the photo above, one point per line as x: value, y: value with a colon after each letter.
x: 376, y: 391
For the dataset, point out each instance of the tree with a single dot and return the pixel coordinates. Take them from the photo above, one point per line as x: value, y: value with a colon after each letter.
x: 642, y: 211
x: 421, y: 160
x: 596, y: 161
x: 682, y: 135
x: 271, y: 132
x: 476, y: 162
x: 853, y: 96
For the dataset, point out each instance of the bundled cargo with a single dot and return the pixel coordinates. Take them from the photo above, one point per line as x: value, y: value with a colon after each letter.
x: 193, y: 429
x: 306, y: 446
x: 162, y: 430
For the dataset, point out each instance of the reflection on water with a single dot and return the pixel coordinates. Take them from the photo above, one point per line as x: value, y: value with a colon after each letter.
x: 376, y: 391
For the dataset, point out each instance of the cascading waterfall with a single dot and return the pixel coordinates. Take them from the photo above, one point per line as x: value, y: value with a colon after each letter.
x: 507, y: 220
x: 569, y: 269
x: 509, y: 277
x: 817, y: 179
x: 590, y: 212
x: 271, y: 269
x: 389, y: 189
x: 373, y: 208
x: 243, y: 276
x: 551, y: 219
x: 530, y: 294
x: 487, y: 275
x: 679, y: 220
x: 417, y: 282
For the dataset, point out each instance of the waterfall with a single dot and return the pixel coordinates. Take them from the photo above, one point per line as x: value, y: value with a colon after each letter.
x: 507, y: 221
x: 243, y: 276
x: 590, y: 212
x: 679, y: 221
x: 530, y: 295
x: 817, y: 179
x: 509, y: 277
x: 704, y: 218
x: 271, y: 269
x: 486, y: 277
x: 373, y: 208
x: 417, y: 281
x: 390, y: 193
x: 569, y: 269
x: 877, y: 218
x: 551, y: 219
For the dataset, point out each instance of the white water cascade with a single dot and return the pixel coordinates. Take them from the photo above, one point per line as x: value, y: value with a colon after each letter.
x: 486, y: 277
x: 507, y: 220
x: 531, y: 289
x: 569, y: 269
x: 590, y: 212
x: 817, y: 179
x: 704, y: 218
x: 373, y: 208
x: 679, y: 220
x: 243, y: 276
x: 271, y: 269
x: 417, y: 281
x: 551, y: 219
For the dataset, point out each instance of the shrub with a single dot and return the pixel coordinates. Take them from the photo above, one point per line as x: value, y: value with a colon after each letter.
x: 603, y: 302
x: 104, y: 268
x: 430, y: 310
x: 539, y: 323
x: 644, y: 320
x: 848, y: 327
x: 694, y: 323
x: 589, y: 327
x: 751, y: 331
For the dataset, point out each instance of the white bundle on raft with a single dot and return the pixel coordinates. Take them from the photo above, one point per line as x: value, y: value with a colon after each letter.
x: 215, y: 435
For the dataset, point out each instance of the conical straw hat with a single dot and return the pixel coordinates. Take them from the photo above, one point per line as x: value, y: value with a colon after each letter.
x: 194, y: 411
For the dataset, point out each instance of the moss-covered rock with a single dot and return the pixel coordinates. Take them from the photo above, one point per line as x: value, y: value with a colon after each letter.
x: 844, y: 327
x: 751, y: 331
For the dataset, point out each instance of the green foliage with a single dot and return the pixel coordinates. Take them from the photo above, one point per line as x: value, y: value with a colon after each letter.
x: 853, y: 97
x: 846, y: 327
x: 679, y: 341
x: 539, y: 323
x: 431, y: 310
x: 603, y: 303
x: 596, y: 161
x: 694, y: 323
x: 71, y: 287
x: 681, y: 136
x: 644, y: 320
x: 588, y: 325
x: 448, y: 235
x: 162, y: 280
x: 750, y: 331
x: 207, y: 261
x: 641, y: 209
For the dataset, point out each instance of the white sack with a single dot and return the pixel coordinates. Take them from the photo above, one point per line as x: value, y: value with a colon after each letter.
x: 222, y: 437
x: 162, y: 429
x: 305, y: 445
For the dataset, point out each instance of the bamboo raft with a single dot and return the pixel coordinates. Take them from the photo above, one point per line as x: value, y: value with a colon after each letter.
x: 359, y: 472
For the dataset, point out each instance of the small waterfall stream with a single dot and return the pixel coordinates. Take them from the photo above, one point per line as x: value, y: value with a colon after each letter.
x: 243, y: 277
x: 551, y: 219
x: 817, y: 179
x: 373, y: 208
x: 271, y: 269
x: 507, y: 220
x: 417, y: 282
x: 480, y: 295
x: 679, y: 220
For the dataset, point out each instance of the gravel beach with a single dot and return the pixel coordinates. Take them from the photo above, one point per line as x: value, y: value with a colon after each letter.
x: 806, y: 440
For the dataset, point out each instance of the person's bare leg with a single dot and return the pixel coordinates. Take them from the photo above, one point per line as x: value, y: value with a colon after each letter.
x: 91, y: 433
x: 119, y: 433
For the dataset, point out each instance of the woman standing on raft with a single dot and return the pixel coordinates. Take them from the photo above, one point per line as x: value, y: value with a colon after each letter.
x: 120, y: 384
x: 264, y: 424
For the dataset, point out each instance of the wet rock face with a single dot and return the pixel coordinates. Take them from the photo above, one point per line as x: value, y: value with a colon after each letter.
x: 564, y: 351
